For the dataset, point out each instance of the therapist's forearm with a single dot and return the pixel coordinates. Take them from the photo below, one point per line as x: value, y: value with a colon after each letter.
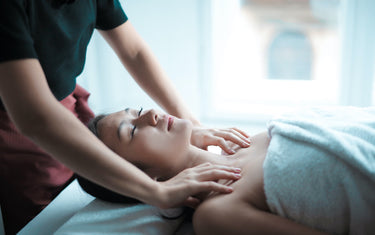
x: 38, y: 115
x: 71, y: 143
x: 140, y: 62
x: 148, y: 73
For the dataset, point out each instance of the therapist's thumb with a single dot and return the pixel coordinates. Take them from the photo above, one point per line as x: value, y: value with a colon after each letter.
x: 192, y: 202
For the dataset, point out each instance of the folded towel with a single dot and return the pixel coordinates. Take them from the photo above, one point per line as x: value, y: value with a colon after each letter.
x: 320, y: 169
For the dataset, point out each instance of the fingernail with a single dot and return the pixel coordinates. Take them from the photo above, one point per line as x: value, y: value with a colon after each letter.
x: 237, y: 170
x: 246, y: 144
x: 232, y: 151
x: 229, y: 190
x: 237, y: 175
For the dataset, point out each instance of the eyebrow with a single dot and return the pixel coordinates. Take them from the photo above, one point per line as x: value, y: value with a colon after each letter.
x: 122, y: 123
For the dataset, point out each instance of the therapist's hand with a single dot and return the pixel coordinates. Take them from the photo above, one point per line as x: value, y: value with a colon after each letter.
x: 180, y: 190
x: 203, y: 137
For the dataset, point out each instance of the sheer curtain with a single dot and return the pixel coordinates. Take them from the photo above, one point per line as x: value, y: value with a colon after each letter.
x: 358, y: 52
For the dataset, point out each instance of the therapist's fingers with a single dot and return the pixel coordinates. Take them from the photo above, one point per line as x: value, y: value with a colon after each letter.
x: 192, y: 202
x: 209, y: 167
x: 235, y: 135
x: 241, y: 132
x: 212, y: 172
x: 205, y: 176
x: 204, y: 137
x: 211, y: 186
x: 229, y: 146
x: 196, y: 180
x: 218, y: 174
x: 206, y: 172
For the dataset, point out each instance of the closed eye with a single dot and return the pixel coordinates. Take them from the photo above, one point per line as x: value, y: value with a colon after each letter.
x: 133, y: 130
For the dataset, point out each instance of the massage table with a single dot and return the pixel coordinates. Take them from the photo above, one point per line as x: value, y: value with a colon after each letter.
x: 74, y: 211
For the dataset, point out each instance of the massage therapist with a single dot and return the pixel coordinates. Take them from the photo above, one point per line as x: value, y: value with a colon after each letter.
x: 43, y: 137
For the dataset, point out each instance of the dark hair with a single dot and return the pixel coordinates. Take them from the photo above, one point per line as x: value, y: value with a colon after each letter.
x: 93, y: 124
x: 95, y: 189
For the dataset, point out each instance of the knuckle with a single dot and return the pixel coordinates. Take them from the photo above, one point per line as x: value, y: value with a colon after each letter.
x: 212, y: 184
x: 218, y: 173
x: 229, y: 130
x: 188, y: 178
x: 222, y: 142
x: 232, y: 135
x: 208, y: 164
x: 213, y: 130
x: 229, y: 136
x: 205, y: 138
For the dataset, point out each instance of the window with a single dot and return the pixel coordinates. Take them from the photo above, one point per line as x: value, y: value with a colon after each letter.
x: 290, y: 56
x: 269, y: 56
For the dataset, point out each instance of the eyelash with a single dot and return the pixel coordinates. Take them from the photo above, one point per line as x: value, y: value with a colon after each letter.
x: 139, y: 114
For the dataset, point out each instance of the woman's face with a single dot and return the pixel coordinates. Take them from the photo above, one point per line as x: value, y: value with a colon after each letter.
x: 154, y: 141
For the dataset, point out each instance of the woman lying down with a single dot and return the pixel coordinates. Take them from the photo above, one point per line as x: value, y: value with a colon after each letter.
x: 312, y: 172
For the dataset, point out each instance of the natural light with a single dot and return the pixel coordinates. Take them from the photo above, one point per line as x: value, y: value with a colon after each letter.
x: 264, y: 63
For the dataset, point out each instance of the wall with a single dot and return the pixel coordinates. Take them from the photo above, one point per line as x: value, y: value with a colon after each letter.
x: 171, y: 29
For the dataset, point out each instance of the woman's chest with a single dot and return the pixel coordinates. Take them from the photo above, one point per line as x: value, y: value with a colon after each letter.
x: 250, y: 187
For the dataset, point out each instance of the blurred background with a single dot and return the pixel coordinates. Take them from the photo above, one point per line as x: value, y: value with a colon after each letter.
x: 240, y: 62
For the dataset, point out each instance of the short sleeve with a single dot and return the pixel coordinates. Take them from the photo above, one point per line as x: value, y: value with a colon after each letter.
x: 15, y: 38
x: 109, y: 14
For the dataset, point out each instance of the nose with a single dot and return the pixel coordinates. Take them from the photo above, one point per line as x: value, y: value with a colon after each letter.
x: 149, y: 117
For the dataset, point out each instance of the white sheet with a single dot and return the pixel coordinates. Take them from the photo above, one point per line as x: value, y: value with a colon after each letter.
x: 101, y: 217
x: 64, y: 206
x: 69, y: 213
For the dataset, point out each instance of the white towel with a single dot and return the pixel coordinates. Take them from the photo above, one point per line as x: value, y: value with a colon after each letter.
x: 320, y: 169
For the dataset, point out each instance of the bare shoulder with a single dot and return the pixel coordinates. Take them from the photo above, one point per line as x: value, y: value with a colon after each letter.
x: 248, y: 196
x: 250, y: 188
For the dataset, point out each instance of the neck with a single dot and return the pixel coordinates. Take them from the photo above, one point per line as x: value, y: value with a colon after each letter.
x: 198, y: 156
x: 194, y: 157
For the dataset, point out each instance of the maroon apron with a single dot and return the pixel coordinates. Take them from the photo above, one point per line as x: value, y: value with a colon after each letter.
x: 30, y: 178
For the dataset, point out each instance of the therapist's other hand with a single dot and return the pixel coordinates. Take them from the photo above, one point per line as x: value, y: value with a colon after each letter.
x: 179, y: 190
x: 203, y: 137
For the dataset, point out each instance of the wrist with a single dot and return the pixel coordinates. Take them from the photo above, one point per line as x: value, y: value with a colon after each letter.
x: 156, y: 195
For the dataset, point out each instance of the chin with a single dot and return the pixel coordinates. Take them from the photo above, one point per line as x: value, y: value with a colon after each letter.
x: 188, y: 130
x: 188, y: 124
x: 183, y: 126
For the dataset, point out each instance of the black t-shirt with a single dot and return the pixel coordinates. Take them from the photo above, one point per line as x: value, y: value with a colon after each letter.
x: 57, y: 37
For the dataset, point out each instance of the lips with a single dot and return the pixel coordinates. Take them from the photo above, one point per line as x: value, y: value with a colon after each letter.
x: 170, y: 122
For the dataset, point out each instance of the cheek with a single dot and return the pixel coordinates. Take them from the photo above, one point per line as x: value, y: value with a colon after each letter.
x: 160, y: 145
x: 145, y: 146
x: 154, y: 143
